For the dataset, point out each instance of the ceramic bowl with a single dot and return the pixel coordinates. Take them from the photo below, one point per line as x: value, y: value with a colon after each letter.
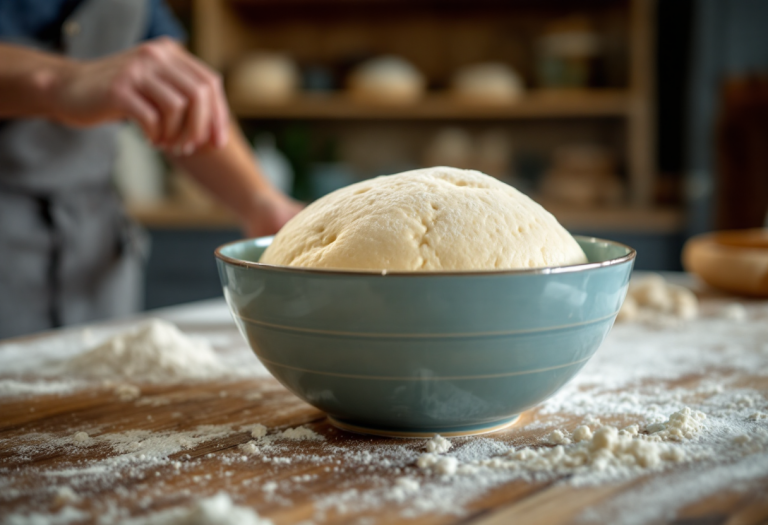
x: 423, y: 353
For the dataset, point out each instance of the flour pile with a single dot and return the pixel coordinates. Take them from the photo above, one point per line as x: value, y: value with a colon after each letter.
x: 154, y: 352
x: 259, y: 432
x: 617, y: 453
x: 216, y: 510
x: 652, y: 300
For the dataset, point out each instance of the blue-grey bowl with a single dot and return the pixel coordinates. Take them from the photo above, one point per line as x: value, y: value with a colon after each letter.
x: 422, y: 353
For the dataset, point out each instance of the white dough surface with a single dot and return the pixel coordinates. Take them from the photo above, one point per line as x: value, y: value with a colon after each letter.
x: 432, y: 219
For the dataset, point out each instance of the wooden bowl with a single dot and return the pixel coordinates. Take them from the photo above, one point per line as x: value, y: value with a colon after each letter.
x: 736, y: 261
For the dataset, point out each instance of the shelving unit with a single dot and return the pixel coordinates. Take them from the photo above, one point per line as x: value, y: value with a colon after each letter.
x: 174, y: 215
x: 634, y: 220
x: 225, y: 29
x: 541, y: 104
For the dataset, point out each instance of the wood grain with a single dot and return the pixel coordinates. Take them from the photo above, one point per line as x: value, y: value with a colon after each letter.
x: 213, y: 465
x: 541, y: 104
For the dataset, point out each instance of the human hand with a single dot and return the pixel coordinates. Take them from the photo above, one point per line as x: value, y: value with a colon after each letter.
x: 177, y: 100
x: 269, y: 213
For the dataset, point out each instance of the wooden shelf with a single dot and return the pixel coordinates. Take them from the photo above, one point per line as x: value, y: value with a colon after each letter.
x: 173, y: 215
x: 534, y: 105
x: 624, y: 219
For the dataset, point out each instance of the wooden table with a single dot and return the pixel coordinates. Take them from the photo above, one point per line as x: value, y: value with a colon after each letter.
x: 316, y: 481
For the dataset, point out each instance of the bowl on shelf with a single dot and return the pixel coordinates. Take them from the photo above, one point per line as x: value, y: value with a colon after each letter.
x: 732, y: 260
x: 414, y: 354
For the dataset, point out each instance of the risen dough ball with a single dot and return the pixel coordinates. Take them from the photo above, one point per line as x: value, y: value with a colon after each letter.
x: 264, y: 77
x: 387, y: 79
x: 428, y: 219
x: 489, y: 82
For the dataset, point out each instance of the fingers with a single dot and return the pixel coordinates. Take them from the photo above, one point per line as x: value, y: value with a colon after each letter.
x: 206, y: 119
x: 199, y: 108
x: 137, y: 108
x: 170, y: 104
x: 177, y: 100
x: 220, y: 113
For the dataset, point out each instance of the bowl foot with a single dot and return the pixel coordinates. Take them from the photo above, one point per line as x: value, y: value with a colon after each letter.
x: 470, y: 430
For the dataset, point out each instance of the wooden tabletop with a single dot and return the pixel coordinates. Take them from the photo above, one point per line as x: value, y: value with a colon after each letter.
x: 344, y: 478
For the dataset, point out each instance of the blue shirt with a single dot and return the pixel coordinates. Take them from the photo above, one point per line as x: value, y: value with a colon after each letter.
x: 38, y: 22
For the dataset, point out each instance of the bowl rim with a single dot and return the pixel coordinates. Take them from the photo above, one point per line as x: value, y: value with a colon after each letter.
x: 631, y: 254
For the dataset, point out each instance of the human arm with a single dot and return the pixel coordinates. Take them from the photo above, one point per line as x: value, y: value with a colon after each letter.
x: 27, y: 79
x: 177, y: 101
x: 175, y: 98
x: 233, y: 176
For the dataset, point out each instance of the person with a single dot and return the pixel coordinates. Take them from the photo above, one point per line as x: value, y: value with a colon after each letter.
x: 70, y: 71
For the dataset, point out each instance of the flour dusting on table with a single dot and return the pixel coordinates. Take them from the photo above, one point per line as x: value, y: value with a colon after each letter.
x: 668, y: 399
x: 215, y: 510
x: 153, y: 352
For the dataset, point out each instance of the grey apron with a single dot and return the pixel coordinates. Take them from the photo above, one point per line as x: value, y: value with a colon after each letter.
x: 68, y: 254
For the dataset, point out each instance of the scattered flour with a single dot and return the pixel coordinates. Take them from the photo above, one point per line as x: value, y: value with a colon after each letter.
x: 407, y: 484
x: 154, y: 352
x: 734, y: 312
x: 216, y: 510
x: 300, y: 434
x: 265, y: 442
x: 65, y: 495
x: 612, y: 452
x: 639, y: 384
x: 258, y: 430
x: 51, y: 365
x: 64, y: 516
x: 438, y: 445
x: 684, y: 424
x: 127, y: 392
x: 445, y: 465
x: 14, y: 388
x: 250, y: 448
x: 659, y: 502
x: 558, y: 437
x: 582, y: 433
x: 81, y: 438
x: 427, y: 460
x: 652, y: 300
x: 269, y: 486
x: 404, y: 488
x: 127, y: 447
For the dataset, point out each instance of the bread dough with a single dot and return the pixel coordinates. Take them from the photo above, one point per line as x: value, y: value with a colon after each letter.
x: 451, y: 146
x: 421, y: 220
x: 387, y: 79
x: 264, y: 78
x: 488, y: 82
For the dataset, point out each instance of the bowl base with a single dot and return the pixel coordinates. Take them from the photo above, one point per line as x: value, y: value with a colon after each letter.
x: 471, y: 430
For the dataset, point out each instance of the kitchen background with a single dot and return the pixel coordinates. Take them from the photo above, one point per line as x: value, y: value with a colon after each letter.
x: 637, y: 120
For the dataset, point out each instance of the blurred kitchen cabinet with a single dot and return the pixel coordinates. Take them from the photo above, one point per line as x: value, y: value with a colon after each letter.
x: 181, y: 266
x: 439, y: 37
x: 326, y: 37
x: 742, y: 154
